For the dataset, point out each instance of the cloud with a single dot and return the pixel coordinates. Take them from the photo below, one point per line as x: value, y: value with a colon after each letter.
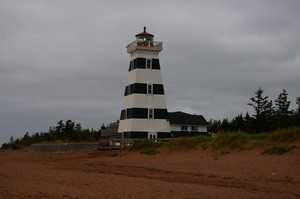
x: 67, y: 59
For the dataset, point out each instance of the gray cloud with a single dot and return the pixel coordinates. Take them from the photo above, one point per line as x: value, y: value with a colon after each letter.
x: 67, y: 59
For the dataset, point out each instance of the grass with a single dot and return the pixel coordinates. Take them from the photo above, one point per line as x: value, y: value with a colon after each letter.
x: 114, y: 154
x: 223, y: 143
x: 232, y: 140
x: 189, y: 143
x: 147, y: 147
x: 150, y: 151
x: 145, y: 144
x: 279, y: 150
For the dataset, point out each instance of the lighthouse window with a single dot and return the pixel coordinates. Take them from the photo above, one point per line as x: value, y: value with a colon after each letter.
x: 148, y: 64
x: 149, y: 89
x: 150, y: 113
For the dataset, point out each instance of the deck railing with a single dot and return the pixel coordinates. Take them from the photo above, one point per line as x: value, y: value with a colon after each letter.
x: 145, y: 45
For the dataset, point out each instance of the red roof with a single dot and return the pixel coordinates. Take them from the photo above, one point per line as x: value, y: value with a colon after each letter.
x: 144, y: 33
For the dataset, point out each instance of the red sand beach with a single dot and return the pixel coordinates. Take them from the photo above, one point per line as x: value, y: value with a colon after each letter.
x: 169, y: 174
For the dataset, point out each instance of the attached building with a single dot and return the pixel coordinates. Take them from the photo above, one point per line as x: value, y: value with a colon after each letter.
x: 187, y: 125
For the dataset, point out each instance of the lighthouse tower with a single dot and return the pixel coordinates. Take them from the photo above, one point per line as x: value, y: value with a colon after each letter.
x: 144, y: 111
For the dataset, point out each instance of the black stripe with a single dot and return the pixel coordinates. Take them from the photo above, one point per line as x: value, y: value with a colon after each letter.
x: 160, y: 114
x: 141, y: 64
x: 164, y: 135
x: 158, y: 89
x: 135, y: 134
x: 144, y: 134
x: 142, y: 113
x: 155, y: 64
x: 140, y: 88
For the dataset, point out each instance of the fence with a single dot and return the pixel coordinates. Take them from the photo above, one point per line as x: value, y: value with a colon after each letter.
x: 67, y: 147
x: 123, y: 143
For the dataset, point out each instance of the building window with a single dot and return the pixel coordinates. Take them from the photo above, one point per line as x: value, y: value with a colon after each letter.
x: 149, y: 89
x: 148, y: 64
x: 183, y: 128
x: 194, y: 128
x: 150, y: 113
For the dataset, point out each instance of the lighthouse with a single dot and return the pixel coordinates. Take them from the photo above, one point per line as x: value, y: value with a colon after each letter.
x: 144, y: 111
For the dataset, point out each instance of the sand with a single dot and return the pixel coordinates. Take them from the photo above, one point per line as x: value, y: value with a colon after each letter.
x: 169, y: 174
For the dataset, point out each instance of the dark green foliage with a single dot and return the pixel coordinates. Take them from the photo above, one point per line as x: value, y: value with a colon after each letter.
x: 150, y: 151
x: 282, y: 110
x: 266, y: 117
x: 114, y: 154
x: 279, y: 150
x: 145, y: 144
x: 214, y: 126
x: 263, y: 111
x: 63, y: 132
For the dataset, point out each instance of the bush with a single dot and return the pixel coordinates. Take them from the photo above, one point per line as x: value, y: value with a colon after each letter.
x: 114, y: 154
x: 279, y: 150
x: 145, y: 144
x: 150, y: 151
x: 4, y: 146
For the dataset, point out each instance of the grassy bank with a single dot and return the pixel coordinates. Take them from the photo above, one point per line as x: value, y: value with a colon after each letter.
x: 277, y: 142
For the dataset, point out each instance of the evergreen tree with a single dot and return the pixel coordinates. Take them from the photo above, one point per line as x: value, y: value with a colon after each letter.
x: 263, y: 111
x: 296, y: 116
x: 298, y: 103
x: 281, y: 109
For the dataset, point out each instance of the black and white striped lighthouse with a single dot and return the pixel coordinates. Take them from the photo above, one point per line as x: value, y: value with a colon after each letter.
x: 144, y: 111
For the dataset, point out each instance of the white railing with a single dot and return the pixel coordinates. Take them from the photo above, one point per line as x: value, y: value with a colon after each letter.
x: 144, y: 45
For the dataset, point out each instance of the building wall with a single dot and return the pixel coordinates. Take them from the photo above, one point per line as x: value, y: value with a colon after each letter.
x: 139, y: 100
x: 177, y: 128
x: 157, y: 125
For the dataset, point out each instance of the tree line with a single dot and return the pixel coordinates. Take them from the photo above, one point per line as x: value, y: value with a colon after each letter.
x: 68, y: 131
x: 268, y: 115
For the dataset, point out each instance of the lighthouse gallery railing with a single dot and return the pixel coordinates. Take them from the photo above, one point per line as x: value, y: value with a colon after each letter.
x: 146, y: 45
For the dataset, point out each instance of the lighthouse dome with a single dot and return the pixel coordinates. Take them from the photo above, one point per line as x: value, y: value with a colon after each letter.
x: 144, y: 36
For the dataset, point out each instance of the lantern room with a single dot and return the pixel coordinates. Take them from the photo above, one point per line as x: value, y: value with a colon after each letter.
x: 144, y: 36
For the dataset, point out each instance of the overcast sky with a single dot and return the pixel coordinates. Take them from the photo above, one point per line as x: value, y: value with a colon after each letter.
x: 67, y: 59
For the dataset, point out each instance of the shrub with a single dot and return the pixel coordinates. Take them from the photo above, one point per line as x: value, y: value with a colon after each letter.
x: 114, y: 154
x: 150, y: 151
x: 279, y: 150
x: 145, y: 144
